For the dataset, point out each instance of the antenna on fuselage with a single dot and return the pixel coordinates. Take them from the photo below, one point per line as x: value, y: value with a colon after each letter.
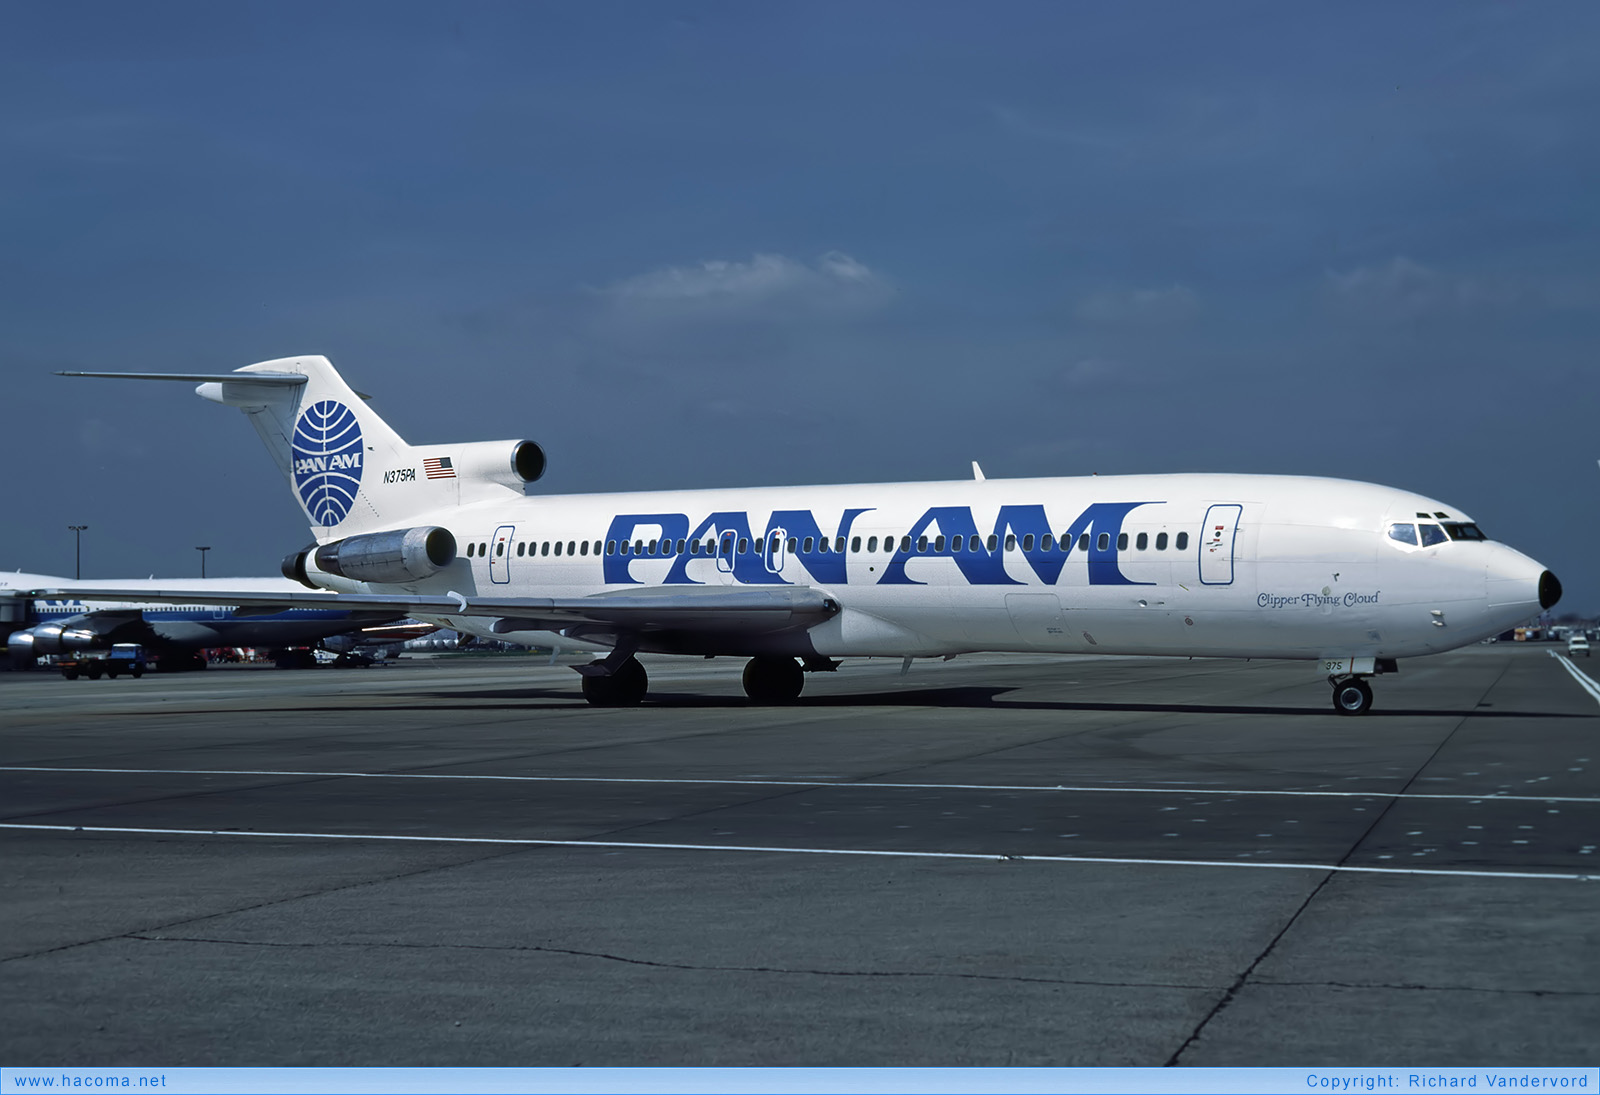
x: 977, y: 472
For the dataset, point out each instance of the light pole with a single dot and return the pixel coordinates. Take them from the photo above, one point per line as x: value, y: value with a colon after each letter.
x: 77, y: 549
x: 202, y: 551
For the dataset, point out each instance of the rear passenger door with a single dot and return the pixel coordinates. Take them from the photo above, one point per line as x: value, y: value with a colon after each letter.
x: 500, y: 555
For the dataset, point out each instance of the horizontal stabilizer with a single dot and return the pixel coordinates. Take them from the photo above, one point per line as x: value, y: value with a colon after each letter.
x: 288, y: 380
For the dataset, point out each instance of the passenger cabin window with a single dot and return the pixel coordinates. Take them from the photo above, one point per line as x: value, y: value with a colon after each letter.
x: 1083, y: 542
x: 583, y: 548
x: 1011, y: 541
x: 994, y: 541
x: 1047, y: 542
x: 938, y: 544
x: 1460, y: 530
x: 1431, y: 534
x: 1182, y: 542
x: 872, y: 543
x: 905, y: 544
x: 744, y: 545
x: 1103, y: 541
x: 1405, y: 534
x: 793, y: 541
x: 472, y: 549
x: 1122, y: 542
x: 500, y: 549
x: 1143, y: 541
x: 922, y: 545
x: 1161, y: 541
x: 810, y: 542
x: 611, y: 547
x: 558, y: 547
x: 1027, y: 542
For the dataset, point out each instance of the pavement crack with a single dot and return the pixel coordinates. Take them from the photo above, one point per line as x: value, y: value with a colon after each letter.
x: 1409, y: 986
x: 1245, y: 976
x: 695, y: 967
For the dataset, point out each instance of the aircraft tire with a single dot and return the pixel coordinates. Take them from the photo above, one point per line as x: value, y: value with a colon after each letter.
x: 1352, y: 696
x: 624, y: 688
x: 92, y: 672
x: 773, y: 680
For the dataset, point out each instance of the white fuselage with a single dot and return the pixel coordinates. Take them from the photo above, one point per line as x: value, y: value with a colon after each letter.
x: 1194, y: 564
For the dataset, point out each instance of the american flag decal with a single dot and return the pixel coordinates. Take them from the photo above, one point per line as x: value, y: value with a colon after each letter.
x: 438, y: 467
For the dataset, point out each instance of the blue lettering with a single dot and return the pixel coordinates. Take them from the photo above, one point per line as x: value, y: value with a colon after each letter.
x: 827, y: 567
x: 985, y: 567
x: 623, y: 526
x: 747, y: 566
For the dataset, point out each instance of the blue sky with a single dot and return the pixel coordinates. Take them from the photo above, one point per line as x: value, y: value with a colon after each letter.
x: 708, y: 244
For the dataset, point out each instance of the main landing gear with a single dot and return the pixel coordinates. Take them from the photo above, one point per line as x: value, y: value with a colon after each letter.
x: 624, y: 683
x: 625, y: 686
x: 773, y: 680
x: 1351, y: 695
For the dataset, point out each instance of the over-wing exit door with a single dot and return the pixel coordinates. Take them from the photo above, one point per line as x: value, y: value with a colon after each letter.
x: 1216, y: 544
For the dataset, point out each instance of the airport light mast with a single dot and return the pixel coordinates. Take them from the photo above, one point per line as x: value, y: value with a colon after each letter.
x: 202, y: 551
x: 77, y: 549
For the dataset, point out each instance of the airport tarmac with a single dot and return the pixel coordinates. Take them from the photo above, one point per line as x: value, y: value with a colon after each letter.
x: 991, y: 861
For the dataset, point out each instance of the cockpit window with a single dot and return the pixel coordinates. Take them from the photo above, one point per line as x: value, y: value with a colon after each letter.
x: 1406, y: 534
x: 1432, y: 534
x: 1460, y: 530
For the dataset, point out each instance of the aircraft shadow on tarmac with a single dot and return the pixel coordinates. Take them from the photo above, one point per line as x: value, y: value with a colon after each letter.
x: 972, y: 696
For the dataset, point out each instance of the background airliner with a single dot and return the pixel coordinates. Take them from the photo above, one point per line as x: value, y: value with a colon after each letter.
x: 67, y: 621
x: 1347, y: 576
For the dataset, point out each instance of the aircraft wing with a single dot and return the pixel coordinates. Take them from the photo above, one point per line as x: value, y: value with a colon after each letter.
x: 658, y: 608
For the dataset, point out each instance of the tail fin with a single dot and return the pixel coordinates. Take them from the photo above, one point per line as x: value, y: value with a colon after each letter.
x: 349, y: 470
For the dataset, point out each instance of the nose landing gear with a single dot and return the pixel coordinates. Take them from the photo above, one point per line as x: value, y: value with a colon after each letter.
x: 1351, y: 695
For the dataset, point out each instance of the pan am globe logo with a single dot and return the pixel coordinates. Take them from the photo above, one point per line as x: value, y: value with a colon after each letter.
x: 327, y: 461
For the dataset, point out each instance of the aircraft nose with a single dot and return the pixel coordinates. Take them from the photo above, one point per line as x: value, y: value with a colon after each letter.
x: 1517, y: 583
x: 1549, y: 590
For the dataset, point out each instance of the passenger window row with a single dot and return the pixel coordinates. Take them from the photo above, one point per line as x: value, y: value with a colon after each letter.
x: 822, y: 545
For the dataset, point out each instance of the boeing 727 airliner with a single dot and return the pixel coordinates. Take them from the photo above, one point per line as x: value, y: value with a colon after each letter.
x: 1347, y: 576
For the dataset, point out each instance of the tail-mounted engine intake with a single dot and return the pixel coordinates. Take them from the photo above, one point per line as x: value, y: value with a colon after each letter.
x: 406, y: 555
x: 512, y: 464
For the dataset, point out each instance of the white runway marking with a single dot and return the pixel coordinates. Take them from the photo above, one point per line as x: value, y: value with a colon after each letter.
x: 1578, y: 675
x: 1491, y: 796
x: 888, y: 853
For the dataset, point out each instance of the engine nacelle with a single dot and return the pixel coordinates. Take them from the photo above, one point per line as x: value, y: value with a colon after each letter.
x: 510, y: 463
x: 405, y: 555
x: 55, y: 638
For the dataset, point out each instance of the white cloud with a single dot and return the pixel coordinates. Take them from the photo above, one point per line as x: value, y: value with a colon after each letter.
x: 1139, y: 307
x: 766, y: 287
x: 1404, y: 289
